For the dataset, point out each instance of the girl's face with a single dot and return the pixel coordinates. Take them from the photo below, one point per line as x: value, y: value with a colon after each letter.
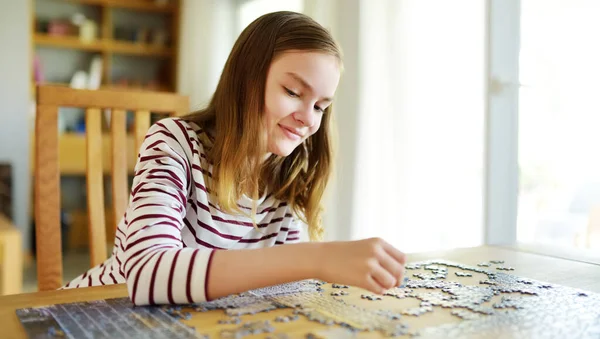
x: 300, y: 85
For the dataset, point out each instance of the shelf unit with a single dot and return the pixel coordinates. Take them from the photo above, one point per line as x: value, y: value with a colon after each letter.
x: 108, y: 47
x: 72, y: 146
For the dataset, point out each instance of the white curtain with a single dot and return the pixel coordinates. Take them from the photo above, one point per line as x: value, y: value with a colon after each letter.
x: 420, y: 150
x: 207, y: 35
x: 410, y: 111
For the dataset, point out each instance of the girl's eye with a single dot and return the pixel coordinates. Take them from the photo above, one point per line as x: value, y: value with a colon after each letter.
x: 290, y: 92
x: 319, y: 109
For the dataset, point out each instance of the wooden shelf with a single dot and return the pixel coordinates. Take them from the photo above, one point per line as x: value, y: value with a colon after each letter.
x: 122, y: 47
x: 72, y: 153
x: 68, y: 42
x: 140, y: 5
x: 111, y: 46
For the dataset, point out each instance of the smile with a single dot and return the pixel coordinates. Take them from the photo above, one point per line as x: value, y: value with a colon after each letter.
x: 290, y: 133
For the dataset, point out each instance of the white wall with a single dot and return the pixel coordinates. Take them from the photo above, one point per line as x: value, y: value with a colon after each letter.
x: 14, y: 103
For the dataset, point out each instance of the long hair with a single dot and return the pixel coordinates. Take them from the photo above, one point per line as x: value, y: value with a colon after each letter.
x: 235, y: 113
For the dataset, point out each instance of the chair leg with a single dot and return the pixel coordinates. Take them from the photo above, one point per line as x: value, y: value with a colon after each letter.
x: 12, y: 265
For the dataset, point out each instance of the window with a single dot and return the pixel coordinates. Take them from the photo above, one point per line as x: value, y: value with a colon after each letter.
x: 559, y: 124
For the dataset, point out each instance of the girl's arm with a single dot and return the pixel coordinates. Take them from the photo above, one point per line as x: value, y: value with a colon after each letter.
x: 371, y: 264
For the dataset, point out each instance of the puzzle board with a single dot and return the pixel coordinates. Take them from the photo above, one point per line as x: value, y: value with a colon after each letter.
x: 441, y: 299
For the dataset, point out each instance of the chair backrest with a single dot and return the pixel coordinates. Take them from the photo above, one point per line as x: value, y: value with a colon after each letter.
x: 46, y: 167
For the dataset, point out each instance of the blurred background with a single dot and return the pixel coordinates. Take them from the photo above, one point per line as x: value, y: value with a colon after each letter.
x: 459, y: 123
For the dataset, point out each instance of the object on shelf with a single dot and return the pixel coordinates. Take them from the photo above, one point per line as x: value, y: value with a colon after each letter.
x: 79, y: 80
x: 88, y: 31
x: 83, y: 80
x: 60, y: 27
x: 41, y: 25
x: 95, y: 77
x: 153, y: 85
x: 38, y: 71
x: 78, y: 19
x: 156, y: 36
x: 159, y: 37
x: 141, y: 35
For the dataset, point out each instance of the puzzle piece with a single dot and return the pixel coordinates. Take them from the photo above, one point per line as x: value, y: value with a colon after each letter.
x: 309, y: 285
x: 391, y: 315
x: 511, y: 302
x: 488, y: 282
x: 399, y: 293
x: 232, y: 320
x: 463, y: 274
x: 338, y: 286
x: 505, y: 268
x: 370, y: 297
x: 466, y: 314
x: 417, y: 311
x: 428, y: 276
x: 258, y: 307
x: 250, y: 328
x: 278, y: 336
x: 286, y: 319
x: 339, y: 293
x: 413, y: 266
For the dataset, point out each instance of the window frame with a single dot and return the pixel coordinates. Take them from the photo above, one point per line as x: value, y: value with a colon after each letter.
x: 502, y: 171
x: 502, y: 131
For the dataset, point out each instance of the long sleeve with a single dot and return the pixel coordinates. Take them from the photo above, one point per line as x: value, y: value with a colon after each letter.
x: 165, y: 241
x: 157, y: 267
x: 296, y: 232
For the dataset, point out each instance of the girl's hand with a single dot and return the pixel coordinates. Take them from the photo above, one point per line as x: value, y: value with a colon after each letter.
x: 371, y: 264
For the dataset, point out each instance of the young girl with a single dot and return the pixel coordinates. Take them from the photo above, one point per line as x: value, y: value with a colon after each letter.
x: 221, y: 198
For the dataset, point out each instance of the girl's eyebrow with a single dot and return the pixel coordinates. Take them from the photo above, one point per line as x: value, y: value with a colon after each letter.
x: 305, y: 84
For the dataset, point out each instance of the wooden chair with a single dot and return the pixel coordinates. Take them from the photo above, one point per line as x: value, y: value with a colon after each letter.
x: 46, y: 167
x: 11, y: 258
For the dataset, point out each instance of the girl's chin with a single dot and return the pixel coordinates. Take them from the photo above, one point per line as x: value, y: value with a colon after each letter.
x: 282, y: 149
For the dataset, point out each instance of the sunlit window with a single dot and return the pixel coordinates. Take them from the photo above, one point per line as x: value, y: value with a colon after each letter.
x: 559, y: 123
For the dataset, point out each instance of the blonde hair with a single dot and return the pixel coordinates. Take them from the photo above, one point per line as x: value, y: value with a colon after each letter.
x: 235, y: 113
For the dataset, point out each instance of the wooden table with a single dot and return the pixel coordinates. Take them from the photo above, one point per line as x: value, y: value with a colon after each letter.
x: 570, y: 273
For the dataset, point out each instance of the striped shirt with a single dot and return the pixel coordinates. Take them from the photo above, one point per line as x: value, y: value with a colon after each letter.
x: 171, y: 228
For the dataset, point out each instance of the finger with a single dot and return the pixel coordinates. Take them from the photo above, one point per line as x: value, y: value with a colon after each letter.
x: 373, y: 286
x: 383, y: 278
x: 395, y: 253
x: 393, y: 267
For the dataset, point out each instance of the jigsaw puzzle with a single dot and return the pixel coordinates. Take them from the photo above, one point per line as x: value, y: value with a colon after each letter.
x: 441, y: 299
